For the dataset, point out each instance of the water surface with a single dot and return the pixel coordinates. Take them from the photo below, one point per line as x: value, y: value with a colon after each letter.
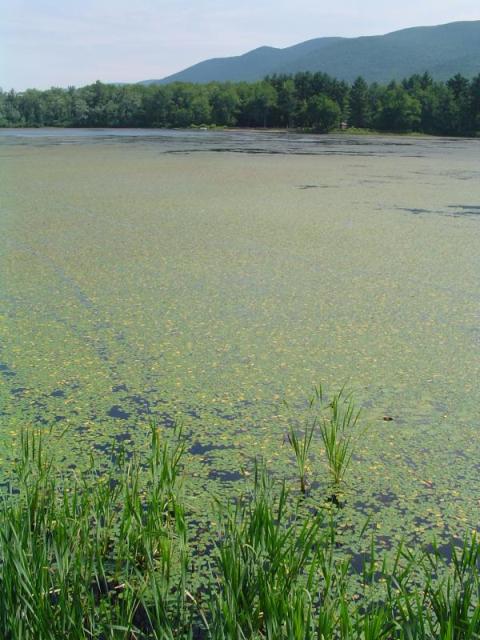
x: 212, y: 275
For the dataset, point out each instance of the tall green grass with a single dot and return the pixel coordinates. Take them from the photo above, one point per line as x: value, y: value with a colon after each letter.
x: 337, y: 430
x: 265, y: 566
x: 301, y: 448
x: 93, y: 555
x: 337, y: 423
x: 106, y: 555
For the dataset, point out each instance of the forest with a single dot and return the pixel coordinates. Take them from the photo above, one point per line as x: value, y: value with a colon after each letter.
x: 305, y: 101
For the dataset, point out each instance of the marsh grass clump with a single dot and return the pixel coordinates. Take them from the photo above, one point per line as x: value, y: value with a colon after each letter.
x: 337, y: 430
x: 301, y: 447
x: 92, y: 555
x: 336, y: 422
x: 105, y: 556
x: 300, y: 442
x: 265, y: 565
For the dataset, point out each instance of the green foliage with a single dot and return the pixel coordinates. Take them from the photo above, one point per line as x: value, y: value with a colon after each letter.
x: 306, y: 100
x: 301, y: 447
x: 359, y: 104
x: 95, y: 555
x: 337, y: 431
x: 337, y: 424
x: 99, y: 555
x: 400, y: 111
x: 322, y: 114
x: 265, y: 564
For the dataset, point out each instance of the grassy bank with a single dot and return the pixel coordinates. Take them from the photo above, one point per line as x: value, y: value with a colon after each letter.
x: 112, y: 554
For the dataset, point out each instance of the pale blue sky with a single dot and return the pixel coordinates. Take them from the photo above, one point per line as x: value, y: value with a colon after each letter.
x: 75, y: 42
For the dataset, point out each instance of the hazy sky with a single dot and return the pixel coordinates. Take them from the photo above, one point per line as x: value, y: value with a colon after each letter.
x: 75, y: 42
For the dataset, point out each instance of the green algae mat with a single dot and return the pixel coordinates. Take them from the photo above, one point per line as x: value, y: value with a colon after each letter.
x: 214, y: 278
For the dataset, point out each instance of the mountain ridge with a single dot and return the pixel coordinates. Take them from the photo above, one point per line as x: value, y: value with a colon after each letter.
x: 442, y: 50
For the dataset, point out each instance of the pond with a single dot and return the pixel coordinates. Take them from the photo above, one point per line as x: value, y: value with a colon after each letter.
x: 209, y: 277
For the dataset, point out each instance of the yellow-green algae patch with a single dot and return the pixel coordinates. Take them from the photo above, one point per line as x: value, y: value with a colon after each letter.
x: 213, y: 286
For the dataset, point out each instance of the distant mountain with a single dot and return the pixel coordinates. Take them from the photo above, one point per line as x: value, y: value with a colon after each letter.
x: 442, y: 50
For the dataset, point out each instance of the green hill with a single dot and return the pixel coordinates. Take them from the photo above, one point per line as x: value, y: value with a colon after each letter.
x: 442, y: 50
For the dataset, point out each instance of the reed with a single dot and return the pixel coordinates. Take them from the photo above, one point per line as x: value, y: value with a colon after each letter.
x: 301, y: 447
x: 105, y: 555
x: 337, y: 430
x: 301, y: 442
x: 79, y: 553
x: 264, y: 567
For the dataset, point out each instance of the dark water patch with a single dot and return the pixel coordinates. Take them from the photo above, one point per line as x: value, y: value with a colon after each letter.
x: 416, y: 211
x: 468, y: 207
x: 165, y: 419
x: 6, y: 371
x: 118, y: 412
x: 18, y: 391
x: 102, y: 353
x: 454, y: 211
x: 123, y: 437
x: 385, y: 542
x: 336, y: 501
x: 367, y: 507
x: 225, y: 416
x: 59, y: 418
x: 119, y: 387
x: 155, y: 390
x: 315, y: 485
x: 193, y: 413
x: 81, y: 429
x: 358, y: 561
x: 40, y: 404
x: 58, y: 393
x: 104, y: 447
x: 463, y: 175
x: 225, y: 476
x: 421, y: 522
x: 199, y: 449
x: 114, y: 451
x: 464, y: 210
x: 253, y: 151
x: 386, y: 498
x: 393, y: 420
x: 410, y: 463
x: 244, y: 403
x: 445, y: 550
x: 141, y: 403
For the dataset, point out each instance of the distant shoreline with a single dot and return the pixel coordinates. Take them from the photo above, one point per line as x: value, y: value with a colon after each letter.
x: 352, y: 131
x: 303, y: 103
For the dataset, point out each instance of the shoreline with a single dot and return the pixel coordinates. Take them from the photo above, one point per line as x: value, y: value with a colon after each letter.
x: 268, y: 130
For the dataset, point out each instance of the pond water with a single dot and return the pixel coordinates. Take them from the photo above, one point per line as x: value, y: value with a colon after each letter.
x: 210, y: 276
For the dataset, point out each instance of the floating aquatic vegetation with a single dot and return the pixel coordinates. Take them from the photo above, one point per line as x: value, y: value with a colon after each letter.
x: 211, y: 287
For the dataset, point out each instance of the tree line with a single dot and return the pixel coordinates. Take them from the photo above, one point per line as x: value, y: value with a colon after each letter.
x: 312, y: 101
